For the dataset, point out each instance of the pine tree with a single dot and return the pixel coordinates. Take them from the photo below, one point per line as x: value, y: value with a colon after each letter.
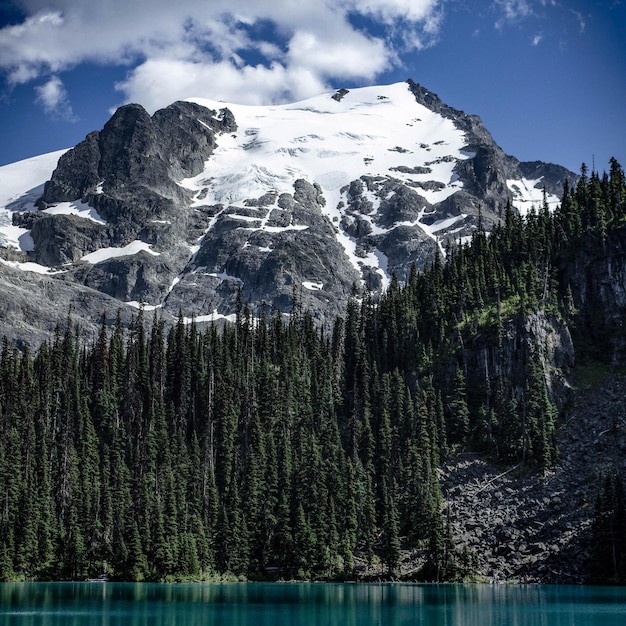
x: 459, y: 413
x: 391, y: 549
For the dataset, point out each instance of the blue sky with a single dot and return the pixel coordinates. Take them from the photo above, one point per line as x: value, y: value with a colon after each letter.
x: 548, y: 77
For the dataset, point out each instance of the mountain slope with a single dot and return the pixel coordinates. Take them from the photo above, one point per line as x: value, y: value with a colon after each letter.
x: 184, y: 209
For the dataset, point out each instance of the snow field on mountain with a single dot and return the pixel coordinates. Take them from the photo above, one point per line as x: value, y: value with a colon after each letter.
x: 36, y: 268
x: 323, y: 141
x: 370, y: 131
x: 21, y: 184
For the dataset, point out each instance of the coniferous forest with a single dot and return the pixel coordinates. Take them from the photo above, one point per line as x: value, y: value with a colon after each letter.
x: 273, y: 448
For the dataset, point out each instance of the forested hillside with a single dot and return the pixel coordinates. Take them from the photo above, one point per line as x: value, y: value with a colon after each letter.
x: 273, y: 448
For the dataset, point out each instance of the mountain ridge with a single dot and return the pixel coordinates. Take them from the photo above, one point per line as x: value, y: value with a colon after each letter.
x: 307, y: 198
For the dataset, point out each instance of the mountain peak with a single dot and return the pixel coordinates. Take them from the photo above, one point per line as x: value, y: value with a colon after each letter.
x: 204, y: 200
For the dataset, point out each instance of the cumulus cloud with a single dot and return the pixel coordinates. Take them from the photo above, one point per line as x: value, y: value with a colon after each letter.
x: 53, y: 97
x: 158, y: 82
x: 252, y: 50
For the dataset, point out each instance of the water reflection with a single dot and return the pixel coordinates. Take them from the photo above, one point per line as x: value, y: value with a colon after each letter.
x: 257, y: 604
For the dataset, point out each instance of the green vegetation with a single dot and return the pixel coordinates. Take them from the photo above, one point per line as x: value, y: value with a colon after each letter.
x: 196, y: 455
x: 274, y: 449
x: 608, y: 561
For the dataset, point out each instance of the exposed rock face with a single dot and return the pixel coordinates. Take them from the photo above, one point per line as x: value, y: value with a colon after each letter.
x: 485, y: 175
x: 129, y: 174
x: 183, y: 209
x: 134, y: 150
x: 505, y: 360
x: 538, y: 527
x: 31, y: 309
x: 597, y: 278
x: 270, y: 267
x: 61, y: 239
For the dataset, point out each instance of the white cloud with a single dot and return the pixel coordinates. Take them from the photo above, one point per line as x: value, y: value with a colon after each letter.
x: 512, y: 11
x: 353, y: 57
x: 582, y: 24
x: 158, y: 82
x: 390, y: 10
x: 537, y: 39
x: 254, y: 49
x: 53, y: 97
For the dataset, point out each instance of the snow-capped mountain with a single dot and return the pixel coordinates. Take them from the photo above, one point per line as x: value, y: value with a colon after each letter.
x: 183, y: 209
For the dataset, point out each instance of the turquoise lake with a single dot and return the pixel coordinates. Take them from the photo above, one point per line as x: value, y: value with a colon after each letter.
x: 260, y: 604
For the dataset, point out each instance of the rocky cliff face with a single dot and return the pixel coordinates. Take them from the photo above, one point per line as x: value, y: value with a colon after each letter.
x: 128, y: 174
x: 183, y: 209
x: 597, y: 279
x: 527, y: 526
x: 491, y: 174
x: 491, y: 360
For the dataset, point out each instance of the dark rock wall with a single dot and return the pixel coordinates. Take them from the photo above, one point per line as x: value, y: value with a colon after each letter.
x: 491, y: 360
x: 597, y: 279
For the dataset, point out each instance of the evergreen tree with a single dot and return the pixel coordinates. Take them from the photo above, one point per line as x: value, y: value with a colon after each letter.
x: 459, y: 414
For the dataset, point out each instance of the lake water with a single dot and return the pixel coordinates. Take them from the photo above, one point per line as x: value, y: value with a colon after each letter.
x: 314, y: 604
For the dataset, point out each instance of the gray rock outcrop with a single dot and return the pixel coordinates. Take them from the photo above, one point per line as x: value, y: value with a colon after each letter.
x: 494, y: 361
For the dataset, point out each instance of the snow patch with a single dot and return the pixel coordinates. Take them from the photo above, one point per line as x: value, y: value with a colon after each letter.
x: 143, y: 306
x: 429, y: 231
x: 15, y: 237
x: 445, y: 223
x: 104, y: 254
x: 380, y: 263
x: 77, y: 208
x: 174, y: 283
x: 280, y: 229
x: 312, y: 285
x: 32, y: 267
x: 383, y: 265
x: 528, y: 194
x: 211, y: 317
